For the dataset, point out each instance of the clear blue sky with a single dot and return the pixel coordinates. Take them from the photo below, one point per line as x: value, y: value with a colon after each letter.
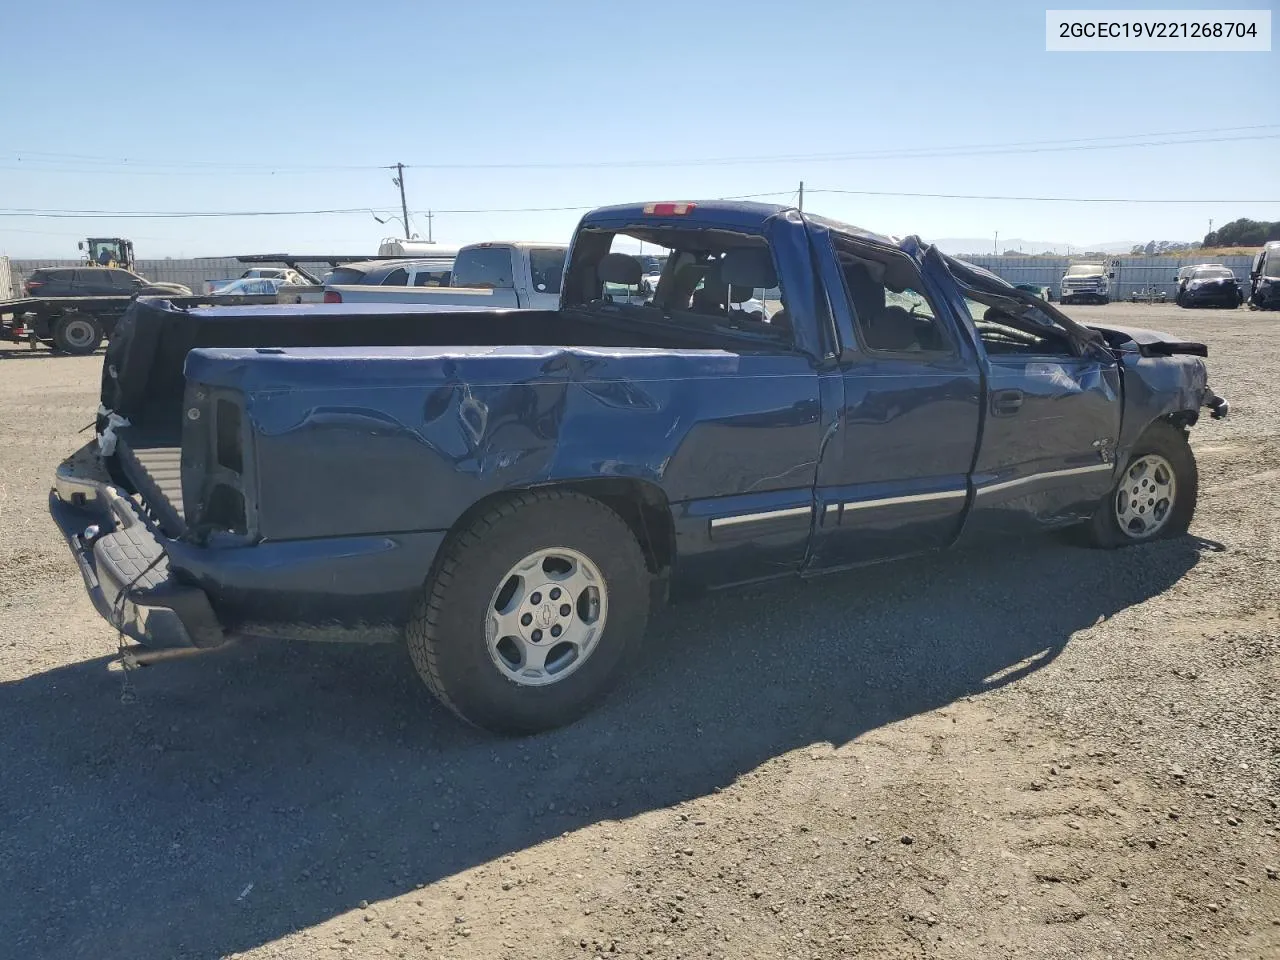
x: 205, y: 101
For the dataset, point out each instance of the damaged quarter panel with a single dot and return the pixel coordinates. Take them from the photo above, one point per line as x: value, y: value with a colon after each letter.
x: 721, y: 434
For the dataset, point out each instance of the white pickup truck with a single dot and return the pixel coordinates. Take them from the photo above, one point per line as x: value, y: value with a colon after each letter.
x: 484, y: 275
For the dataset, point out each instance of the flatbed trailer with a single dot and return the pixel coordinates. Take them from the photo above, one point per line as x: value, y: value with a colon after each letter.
x: 79, y: 325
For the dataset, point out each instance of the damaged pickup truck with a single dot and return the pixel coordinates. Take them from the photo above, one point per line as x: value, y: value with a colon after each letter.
x: 511, y: 491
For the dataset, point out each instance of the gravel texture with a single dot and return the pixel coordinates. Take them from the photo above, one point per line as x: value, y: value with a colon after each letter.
x: 1036, y: 751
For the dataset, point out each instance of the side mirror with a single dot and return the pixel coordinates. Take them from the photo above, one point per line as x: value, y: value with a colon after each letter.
x: 80, y: 245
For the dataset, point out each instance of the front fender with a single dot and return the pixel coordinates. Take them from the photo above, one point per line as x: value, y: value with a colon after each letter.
x: 1159, y: 388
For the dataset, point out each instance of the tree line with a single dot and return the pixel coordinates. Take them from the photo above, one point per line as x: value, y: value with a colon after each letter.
x: 1243, y: 233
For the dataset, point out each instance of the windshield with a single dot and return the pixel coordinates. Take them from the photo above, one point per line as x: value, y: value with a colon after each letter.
x: 1210, y: 273
x: 1084, y: 270
x: 1271, y: 266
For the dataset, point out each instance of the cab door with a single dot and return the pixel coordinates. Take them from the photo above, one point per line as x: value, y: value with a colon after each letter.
x: 1051, y: 425
x: 894, y: 478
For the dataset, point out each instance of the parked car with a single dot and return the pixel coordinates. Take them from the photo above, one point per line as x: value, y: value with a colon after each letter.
x: 430, y: 272
x: 1264, y: 278
x: 90, y: 281
x: 1085, y: 282
x: 283, y: 274
x: 483, y: 275
x: 1207, y: 284
x: 512, y: 491
x: 251, y: 287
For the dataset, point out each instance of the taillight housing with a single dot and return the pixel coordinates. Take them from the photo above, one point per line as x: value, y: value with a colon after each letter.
x: 332, y: 296
x: 33, y: 286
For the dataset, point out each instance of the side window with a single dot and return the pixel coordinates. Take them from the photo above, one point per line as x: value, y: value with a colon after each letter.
x: 123, y: 279
x: 546, y: 267
x: 488, y: 267
x: 431, y: 278
x: 396, y: 278
x: 890, y: 308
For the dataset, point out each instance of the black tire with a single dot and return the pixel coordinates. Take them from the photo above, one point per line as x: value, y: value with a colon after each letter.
x: 1103, y: 301
x: 1165, y: 440
x: 78, y: 334
x: 1181, y: 300
x: 446, y: 631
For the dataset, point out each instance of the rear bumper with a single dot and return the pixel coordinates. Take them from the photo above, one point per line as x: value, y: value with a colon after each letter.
x: 123, y: 561
x: 165, y: 593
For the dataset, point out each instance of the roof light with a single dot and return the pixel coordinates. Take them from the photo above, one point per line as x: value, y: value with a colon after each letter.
x: 669, y: 209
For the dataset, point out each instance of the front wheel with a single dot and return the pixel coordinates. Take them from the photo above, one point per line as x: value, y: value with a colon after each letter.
x: 77, y: 333
x: 534, y: 613
x: 1155, y: 496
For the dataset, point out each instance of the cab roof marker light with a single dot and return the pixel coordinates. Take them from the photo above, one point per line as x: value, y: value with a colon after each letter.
x: 669, y: 209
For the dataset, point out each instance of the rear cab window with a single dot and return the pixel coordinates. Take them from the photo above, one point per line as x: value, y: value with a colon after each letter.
x: 484, y: 267
x: 712, y: 280
x: 345, y: 275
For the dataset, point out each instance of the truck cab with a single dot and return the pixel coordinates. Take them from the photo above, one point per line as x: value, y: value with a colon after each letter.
x: 1085, y: 283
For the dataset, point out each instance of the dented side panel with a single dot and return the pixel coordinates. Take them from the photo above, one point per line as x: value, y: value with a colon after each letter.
x: 720, y: 434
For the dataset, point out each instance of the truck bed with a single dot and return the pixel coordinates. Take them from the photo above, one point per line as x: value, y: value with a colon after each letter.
x: 153, y: 465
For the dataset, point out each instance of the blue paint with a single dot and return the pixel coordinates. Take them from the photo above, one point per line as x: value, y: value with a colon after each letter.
x: 768, y: 460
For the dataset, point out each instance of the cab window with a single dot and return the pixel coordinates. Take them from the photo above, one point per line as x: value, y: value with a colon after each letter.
x: 890, y: 308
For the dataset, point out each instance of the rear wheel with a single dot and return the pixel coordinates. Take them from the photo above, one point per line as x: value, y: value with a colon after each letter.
x: 1155, y: 496
x: 534, y: 613
x: 77, y: 333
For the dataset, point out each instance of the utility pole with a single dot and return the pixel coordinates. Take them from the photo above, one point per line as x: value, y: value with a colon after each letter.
x: 802, y: 196
x: 995, y: 247
x: 430, y: 217
x: 398, y: 180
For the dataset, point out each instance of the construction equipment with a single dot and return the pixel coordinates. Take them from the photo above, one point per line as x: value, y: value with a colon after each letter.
x: 108, y: 251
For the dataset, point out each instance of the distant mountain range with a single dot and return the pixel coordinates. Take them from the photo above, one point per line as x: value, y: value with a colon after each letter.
x: 956, y: 245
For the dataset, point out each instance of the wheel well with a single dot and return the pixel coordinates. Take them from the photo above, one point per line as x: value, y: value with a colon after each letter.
x: 1182, y: 419
x: 642, y: 506
x: 645, y: 510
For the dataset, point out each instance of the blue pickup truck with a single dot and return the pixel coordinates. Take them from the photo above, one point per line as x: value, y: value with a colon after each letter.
x: 511, y: 491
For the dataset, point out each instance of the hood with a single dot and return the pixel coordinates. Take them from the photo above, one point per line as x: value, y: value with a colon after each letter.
x: 1150, y: 343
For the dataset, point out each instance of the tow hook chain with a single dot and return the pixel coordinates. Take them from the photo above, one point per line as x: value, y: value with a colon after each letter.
x: 127, y: 692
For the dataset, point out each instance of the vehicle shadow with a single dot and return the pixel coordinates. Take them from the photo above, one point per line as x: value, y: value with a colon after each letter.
x: 323, y: 776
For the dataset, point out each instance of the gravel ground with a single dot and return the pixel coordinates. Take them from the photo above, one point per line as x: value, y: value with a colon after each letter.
x: 1040, y: 751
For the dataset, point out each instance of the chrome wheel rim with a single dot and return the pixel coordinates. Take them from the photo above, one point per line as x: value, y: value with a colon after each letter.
x: 78, y: 333
x: 1145, y: 496
x: 546, y: 616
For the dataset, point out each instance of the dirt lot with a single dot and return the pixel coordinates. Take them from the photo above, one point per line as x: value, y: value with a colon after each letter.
x: 1041, y: 751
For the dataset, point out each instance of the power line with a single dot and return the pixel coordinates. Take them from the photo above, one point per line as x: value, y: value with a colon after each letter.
x: 29, y: 160
x: 917, y: 154
x: 183, y: 214
x: 178, y: 214
x: 978, y: 196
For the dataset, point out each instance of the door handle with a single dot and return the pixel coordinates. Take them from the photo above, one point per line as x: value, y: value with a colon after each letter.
x: 1005, y: 403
